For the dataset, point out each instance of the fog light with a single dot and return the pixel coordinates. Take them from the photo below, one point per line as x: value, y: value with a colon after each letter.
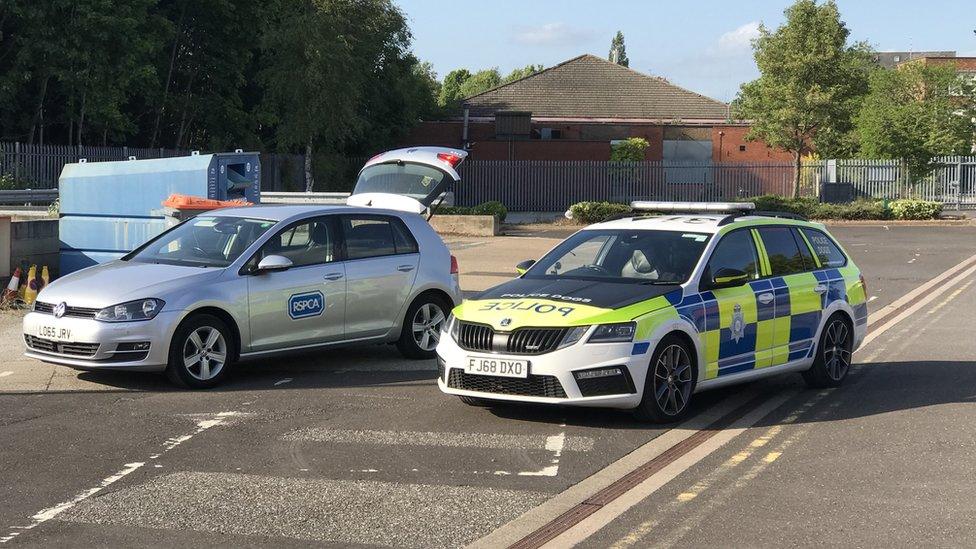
x: 135, y: 346
x: 600, y: 372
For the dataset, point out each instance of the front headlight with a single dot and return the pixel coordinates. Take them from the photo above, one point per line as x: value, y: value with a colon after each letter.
x: 613, y: 333
x: 142, y: 309
x: 451, y: 326
x: 572, y: 336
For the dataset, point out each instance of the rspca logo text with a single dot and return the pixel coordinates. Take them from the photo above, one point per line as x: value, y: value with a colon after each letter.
x: 306, y: 305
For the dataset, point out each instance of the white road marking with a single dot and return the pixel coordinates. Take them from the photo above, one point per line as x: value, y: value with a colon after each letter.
x: 283, y: 381
x: 555, y: 445
x: 5, y: 374
x: 490, y: 441
x: 205, y: 422
x: 593, y: 523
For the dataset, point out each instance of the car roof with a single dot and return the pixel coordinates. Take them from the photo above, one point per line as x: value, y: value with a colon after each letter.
x: 699, y: 223
x: 284, y: 212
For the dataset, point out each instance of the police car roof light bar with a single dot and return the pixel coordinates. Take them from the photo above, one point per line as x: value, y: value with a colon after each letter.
x: 693, y: 207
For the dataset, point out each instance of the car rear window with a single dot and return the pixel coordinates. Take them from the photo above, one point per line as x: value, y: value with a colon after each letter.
x: 827, y: 251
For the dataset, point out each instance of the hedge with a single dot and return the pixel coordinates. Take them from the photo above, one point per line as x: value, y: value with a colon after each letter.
x: 585, y: 213
x: 494, y: 207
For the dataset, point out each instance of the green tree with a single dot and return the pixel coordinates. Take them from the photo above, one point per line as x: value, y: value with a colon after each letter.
x: 518, y: 74
x: 450, y: 94
x: 480, y: 81
x: 618, y: 50
x: 325, y: 62
x: 915, y: 114
x: 632, y: 149
x: 810, y: 86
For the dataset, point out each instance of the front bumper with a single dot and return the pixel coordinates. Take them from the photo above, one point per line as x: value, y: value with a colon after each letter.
x: 93, y: 345
x: 551, y: 379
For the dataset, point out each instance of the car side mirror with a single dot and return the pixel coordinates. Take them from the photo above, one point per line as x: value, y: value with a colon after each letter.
x: 729, y: 278
x: 274, y: 263
x: 524, y: 266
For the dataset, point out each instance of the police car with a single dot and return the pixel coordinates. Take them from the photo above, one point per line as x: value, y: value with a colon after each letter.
x: 645, y: 311
x: 257, y: 281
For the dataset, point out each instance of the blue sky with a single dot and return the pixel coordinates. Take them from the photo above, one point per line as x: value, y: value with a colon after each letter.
x: 700, y: 45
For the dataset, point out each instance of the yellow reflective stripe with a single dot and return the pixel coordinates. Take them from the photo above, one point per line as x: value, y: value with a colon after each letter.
x: 712, y: 343
x: 816, y: 258
x: 761, y: 249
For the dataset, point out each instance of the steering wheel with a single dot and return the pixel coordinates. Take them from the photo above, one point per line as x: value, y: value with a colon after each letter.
x: 198, y: 251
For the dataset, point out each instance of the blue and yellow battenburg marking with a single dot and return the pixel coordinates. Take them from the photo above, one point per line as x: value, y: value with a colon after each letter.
x: 741, y: 331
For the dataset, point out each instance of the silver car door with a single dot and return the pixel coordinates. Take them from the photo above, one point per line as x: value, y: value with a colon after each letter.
x: 381, y: 265
x: 305, y: 304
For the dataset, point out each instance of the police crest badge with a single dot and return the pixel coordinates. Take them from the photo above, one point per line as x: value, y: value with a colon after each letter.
x: 738, y: 328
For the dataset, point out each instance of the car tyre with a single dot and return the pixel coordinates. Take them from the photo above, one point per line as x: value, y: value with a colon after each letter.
x: 422, y: 327
x: 200, y: 353
x: 670, y: 383
x: 832, y: 361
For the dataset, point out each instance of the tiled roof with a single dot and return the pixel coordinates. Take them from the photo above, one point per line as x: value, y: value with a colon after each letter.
x: 591, y: 87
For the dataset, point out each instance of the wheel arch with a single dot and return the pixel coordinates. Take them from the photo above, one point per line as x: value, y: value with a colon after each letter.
x: 226, y: 318
x: 436, y: 292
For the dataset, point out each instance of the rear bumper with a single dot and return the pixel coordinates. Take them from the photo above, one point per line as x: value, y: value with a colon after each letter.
x: 94, y: 345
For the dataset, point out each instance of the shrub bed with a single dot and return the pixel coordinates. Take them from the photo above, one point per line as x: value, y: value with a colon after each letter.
x: 494, y: 207
x: 585, y: 213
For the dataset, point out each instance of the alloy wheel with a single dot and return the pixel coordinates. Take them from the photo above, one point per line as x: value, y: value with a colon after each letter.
x: 427, y: 326
x: 204, y: 353
x: 672, y: 380
x: 837, y: 350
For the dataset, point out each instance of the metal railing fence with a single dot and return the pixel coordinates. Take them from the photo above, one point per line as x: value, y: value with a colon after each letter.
x: 555, y: 185
x: 39, y: 166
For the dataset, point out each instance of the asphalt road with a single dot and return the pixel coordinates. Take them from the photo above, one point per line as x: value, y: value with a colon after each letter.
x: 357, y: 447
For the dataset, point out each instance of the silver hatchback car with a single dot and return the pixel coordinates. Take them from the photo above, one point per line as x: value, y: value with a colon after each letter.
x: 250, y: 282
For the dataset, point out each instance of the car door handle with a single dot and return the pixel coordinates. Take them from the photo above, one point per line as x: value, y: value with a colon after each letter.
x: 766, y: 298
x: 333, y: 276
x: 405, y: 268
x: 820, y: 288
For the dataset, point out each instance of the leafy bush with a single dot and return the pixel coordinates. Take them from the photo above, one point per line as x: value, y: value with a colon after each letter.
x: 595, y: 212
x: 491, y: 208
x: 629, y: 150
x: 859, y: 209
x: 8, y: 183
x: 915, y: 209
x: 485, y: 208
x: 774, y: 203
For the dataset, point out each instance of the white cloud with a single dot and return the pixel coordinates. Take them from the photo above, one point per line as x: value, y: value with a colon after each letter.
x: 550, y: 34
x: 739, y: 39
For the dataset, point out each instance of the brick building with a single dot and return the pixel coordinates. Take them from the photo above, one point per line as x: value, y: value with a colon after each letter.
x: 578, y: 108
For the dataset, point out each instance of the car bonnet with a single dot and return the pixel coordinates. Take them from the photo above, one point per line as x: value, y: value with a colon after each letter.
x: 563, y: 302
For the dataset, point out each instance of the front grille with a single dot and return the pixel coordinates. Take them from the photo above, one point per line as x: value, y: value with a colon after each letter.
x: 524, y: 341
x: 534, y: 341
x: 607, y: 385
x: 536, y: 386
x: 76, y: 312
x: 81, y: 350
x: 475, y: 337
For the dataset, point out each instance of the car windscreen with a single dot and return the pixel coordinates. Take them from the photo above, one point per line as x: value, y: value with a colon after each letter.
x: 206, y: 241
x: 418, y: 181
x: 637, y: 256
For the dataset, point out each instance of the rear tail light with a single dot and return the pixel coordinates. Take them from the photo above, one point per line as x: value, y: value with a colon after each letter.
x: 864, y: 285
x: 454, y: 265
x: 450, y: 158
